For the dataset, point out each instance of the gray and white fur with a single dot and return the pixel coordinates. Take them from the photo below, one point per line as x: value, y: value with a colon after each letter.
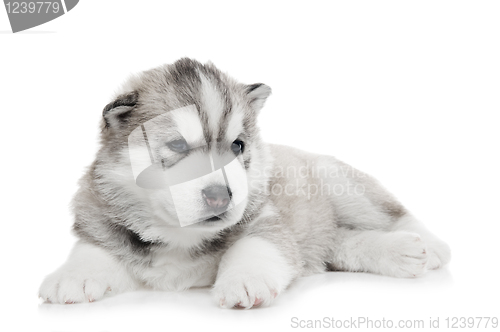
x: 304, y: 213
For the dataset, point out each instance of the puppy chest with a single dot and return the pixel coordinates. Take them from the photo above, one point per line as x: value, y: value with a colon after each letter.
x: 178, y: 270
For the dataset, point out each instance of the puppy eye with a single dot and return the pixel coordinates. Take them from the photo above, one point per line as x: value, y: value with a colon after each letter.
x: 237, y: 147
x: 179, y: 145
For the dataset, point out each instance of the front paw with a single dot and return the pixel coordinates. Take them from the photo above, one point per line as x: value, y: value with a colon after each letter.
x: 251, y: 273
x: 89, y: 274
x: 67, y: 286
x: 245, y: 291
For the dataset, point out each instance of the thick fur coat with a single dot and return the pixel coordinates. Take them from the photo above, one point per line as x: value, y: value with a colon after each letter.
x: 297, y: 213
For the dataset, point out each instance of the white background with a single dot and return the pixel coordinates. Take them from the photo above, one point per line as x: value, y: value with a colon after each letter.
x: 406, y: 91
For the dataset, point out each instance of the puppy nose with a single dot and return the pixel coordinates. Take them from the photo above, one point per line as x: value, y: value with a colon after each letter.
x: 217, y: 197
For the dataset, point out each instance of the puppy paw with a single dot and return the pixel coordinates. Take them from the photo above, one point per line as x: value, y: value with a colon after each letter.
x: 439, y: 254
x: 68, y: 287
x: 252, y: 273
x: 245, y: 291
x: 89, y: 274
x: 403, y: 255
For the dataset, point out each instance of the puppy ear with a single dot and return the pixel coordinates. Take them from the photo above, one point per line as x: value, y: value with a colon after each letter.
x: 257, y: 95
x: 117, y: 112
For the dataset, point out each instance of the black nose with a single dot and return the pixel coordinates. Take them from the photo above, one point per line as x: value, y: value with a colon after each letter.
x: 217, y: 197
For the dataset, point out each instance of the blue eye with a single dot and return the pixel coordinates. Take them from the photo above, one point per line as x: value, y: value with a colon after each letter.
x: 237, y: 147
x: 179, y: 145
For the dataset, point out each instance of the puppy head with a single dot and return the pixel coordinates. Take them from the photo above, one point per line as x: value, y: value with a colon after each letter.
x: 183, y: 137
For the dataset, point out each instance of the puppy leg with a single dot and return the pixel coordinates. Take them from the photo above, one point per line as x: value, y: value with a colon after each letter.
x: 89, y: 273
x: 251, y: 273
x: 396, y: 254
x: 438, y: 251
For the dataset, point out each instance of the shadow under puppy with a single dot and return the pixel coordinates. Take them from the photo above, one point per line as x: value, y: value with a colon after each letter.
x: 183, y: 193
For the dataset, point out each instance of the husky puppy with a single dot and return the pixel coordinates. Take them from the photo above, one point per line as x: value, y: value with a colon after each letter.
x: 247, y: 219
